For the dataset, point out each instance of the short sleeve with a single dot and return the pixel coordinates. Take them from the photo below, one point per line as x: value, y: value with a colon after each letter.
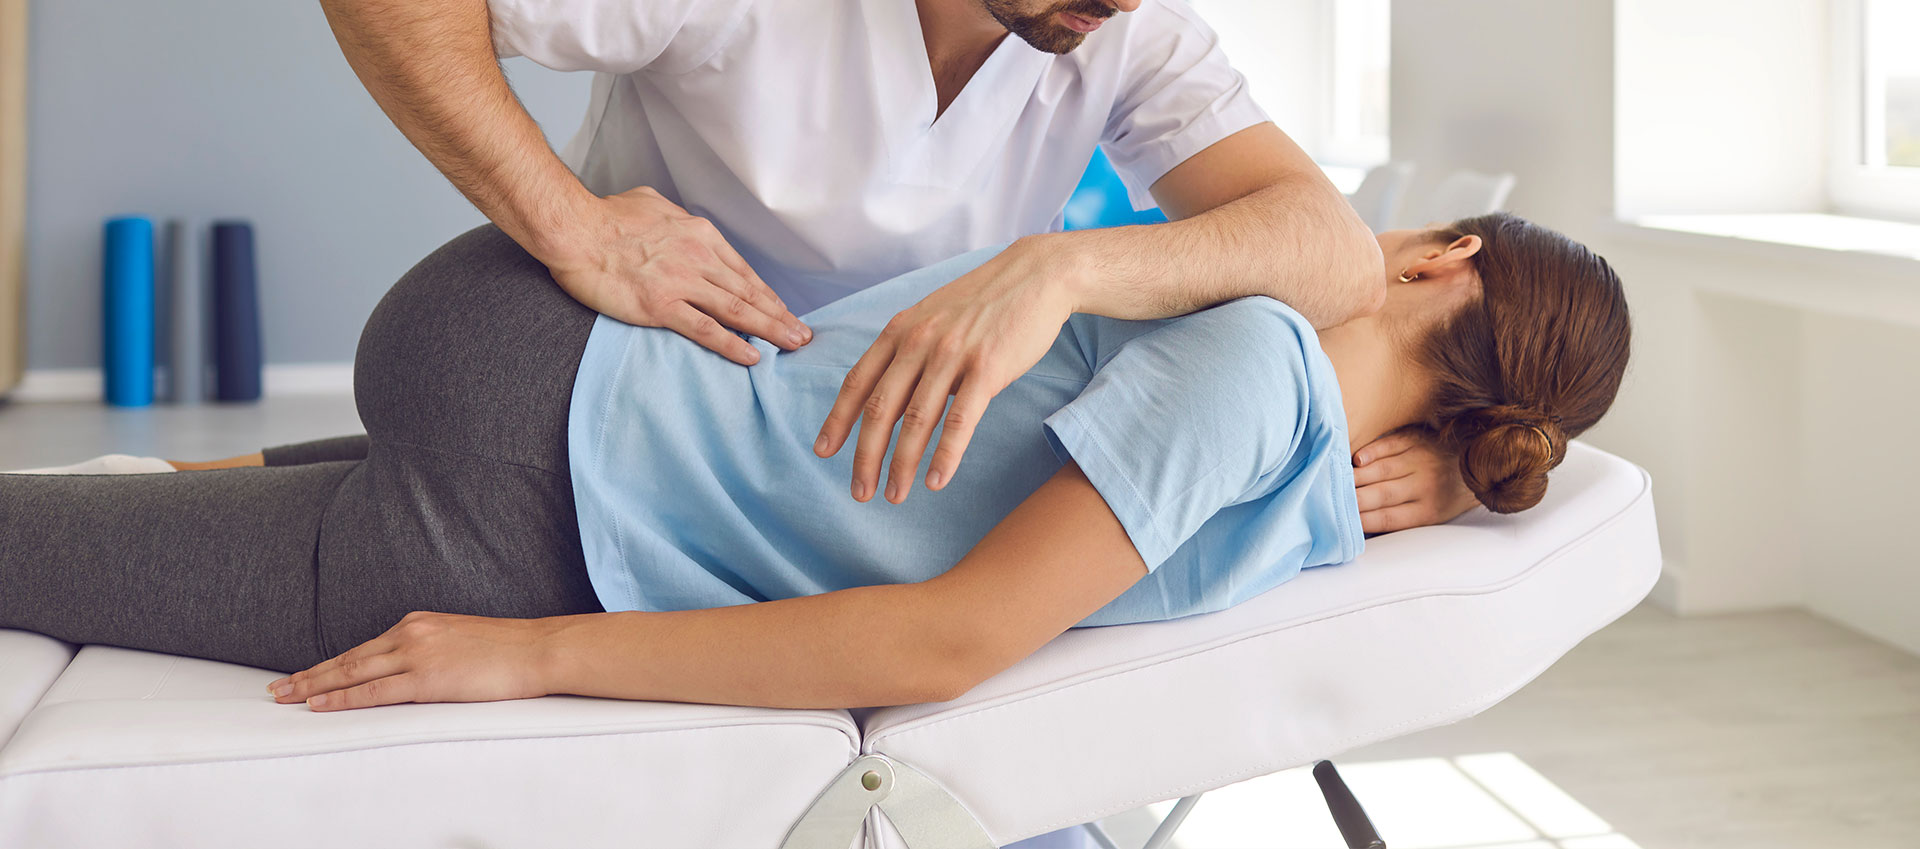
x: 1179, y: 97
x: 1196, y: 415
x: 615, y: 36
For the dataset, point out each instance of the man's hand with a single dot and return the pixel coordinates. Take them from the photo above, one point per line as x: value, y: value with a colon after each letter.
x: 968, y: 339
x: 1403, y: 481
x: 640, y: 258
x: 429, y: 657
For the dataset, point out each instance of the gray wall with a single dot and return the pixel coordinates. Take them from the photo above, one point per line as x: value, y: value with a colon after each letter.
x: 228, y: 108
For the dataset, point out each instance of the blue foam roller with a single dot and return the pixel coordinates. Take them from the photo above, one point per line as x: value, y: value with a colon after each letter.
x: 127, y: 326
x: 236, y: 313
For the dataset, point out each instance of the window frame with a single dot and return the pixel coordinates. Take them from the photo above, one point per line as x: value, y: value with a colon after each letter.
x: 1853, y: 187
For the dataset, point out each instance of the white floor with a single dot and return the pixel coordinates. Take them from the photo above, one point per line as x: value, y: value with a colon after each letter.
x: 1749, y: 731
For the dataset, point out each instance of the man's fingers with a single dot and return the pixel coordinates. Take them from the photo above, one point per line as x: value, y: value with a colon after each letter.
x: 877, y: 415
x: 758, y: 292
x: 854, y: 391
x: 741, y: 314
x: 916, y: 428
x: 1385, y: 494
x: 391, y: 690
x: 1396, y: 518
x: 687, y: 320
x: 968, y: 405
x: 1383, y: 469
x: 1386, y: 446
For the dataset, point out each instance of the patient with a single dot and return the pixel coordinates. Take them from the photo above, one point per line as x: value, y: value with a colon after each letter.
x: 551, y: 501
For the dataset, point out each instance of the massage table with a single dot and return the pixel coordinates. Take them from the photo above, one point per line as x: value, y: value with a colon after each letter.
x: 106, y: 746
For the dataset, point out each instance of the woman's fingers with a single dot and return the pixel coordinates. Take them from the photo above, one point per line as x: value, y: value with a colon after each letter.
x: 1385, y: 446
x: 347, y: 672
x: 1396, y: 518
x: 916, y: 427
x: 390, y: 690
x: 1386, y: 494
x: 689, y: 321
x: 1384, y: 469
x: 968, y: 405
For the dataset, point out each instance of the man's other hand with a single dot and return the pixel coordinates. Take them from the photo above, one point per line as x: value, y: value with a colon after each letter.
x: 968, y: 339
x: 642, y: 259
x: 1403, y: 482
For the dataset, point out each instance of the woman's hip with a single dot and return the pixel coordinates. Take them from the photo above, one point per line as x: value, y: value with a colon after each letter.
x: 474, y: 350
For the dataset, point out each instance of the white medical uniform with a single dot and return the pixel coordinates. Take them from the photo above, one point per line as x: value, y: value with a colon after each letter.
x: 805, y: 130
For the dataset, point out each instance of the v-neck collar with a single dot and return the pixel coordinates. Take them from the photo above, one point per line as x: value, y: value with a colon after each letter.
x: 944, y: 152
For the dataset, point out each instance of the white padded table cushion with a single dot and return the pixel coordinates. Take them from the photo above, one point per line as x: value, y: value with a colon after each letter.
x: 1427, y: 627
x: 29, y: 663
x: 132, y: 748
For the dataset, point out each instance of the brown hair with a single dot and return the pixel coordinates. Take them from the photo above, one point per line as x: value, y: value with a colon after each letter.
x: 1544, y: 347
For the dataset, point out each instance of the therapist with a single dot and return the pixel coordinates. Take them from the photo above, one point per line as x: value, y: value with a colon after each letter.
x: 745, y: 160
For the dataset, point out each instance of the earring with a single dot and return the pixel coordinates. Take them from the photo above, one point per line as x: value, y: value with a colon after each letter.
x: 1405, y: 279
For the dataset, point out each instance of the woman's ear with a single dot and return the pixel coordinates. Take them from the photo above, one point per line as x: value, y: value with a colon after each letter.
x: 1452, y: 263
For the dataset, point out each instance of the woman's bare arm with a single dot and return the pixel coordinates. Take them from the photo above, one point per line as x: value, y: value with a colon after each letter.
x: 1057, y: 558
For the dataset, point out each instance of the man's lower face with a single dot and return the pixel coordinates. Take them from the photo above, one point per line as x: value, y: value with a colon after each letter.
x: 1049, y: 28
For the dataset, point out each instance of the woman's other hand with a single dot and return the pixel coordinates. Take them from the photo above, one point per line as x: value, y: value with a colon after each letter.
x: 1403, y: 482
x: 967, y: 340
x: 428, y: 657
x: 644, y: 260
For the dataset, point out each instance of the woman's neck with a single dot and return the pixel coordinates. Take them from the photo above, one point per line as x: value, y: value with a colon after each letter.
x: 1380, y: 389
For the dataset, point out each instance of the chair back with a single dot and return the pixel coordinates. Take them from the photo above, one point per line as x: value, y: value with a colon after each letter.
x: 1464, y: 194
x: 1377, y: 199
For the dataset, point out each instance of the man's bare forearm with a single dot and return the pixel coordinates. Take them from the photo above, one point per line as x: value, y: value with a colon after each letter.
x: 430, y: 65
x: 1296, y: 240
x: 858, y: 647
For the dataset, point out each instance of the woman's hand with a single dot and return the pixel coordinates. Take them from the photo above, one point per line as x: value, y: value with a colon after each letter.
x: 968, y: 339
x: 1403, y: 482
x: 429, y: 657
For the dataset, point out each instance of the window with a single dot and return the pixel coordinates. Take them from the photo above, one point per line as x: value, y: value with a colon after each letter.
x: 1875, y: 165
x: 1318, y: 67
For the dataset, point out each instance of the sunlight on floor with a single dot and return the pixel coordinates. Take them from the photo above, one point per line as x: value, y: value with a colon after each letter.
x: 1483, y: 801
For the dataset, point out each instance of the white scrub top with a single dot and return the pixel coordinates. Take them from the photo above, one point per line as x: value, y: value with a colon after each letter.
x: 805, y: 131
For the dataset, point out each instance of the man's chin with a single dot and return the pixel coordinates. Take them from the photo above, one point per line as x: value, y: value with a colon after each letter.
x: 1053, y: 38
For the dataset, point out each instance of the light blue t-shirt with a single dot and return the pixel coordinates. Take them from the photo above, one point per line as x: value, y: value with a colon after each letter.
x: 1217, y: 438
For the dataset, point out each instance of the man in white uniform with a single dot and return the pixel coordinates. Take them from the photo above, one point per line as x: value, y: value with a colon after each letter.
x: 744, y: 160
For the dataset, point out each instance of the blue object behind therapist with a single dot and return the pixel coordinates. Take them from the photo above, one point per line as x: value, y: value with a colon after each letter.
x: 1101, y: 199
x: 127, y: 314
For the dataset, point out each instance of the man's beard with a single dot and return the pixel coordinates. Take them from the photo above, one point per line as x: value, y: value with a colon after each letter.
x: 1042, y: 31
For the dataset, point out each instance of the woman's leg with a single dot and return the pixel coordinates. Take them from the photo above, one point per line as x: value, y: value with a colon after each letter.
x: 317, y: 451
x: 462, y: 505
x: 210, y: 564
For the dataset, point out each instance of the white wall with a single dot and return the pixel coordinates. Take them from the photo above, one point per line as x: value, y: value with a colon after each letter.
x: 1716, y: 122
x: 210, y: 108
x: 1776, y: 435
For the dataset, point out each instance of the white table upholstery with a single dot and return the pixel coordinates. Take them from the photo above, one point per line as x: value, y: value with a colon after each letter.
x: 116, y: 747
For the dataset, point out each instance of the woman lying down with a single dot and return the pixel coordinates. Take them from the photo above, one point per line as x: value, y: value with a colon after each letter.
x: 529, y: 467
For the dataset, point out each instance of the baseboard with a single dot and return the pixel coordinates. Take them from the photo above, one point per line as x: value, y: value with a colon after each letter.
x: 278, y: 380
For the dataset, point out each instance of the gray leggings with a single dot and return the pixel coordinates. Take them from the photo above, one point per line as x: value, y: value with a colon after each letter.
x: 456, y: 500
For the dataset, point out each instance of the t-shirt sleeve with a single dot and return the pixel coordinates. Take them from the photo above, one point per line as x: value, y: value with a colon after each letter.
x: 615, y: 36
x: 1180, y: 96
x: 1199, y: 414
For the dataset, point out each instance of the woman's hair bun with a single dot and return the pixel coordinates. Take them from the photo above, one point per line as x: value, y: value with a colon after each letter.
x: 1505, y: 454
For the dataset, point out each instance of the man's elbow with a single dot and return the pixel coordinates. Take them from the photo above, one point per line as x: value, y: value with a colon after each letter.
x: 1358, y: 284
